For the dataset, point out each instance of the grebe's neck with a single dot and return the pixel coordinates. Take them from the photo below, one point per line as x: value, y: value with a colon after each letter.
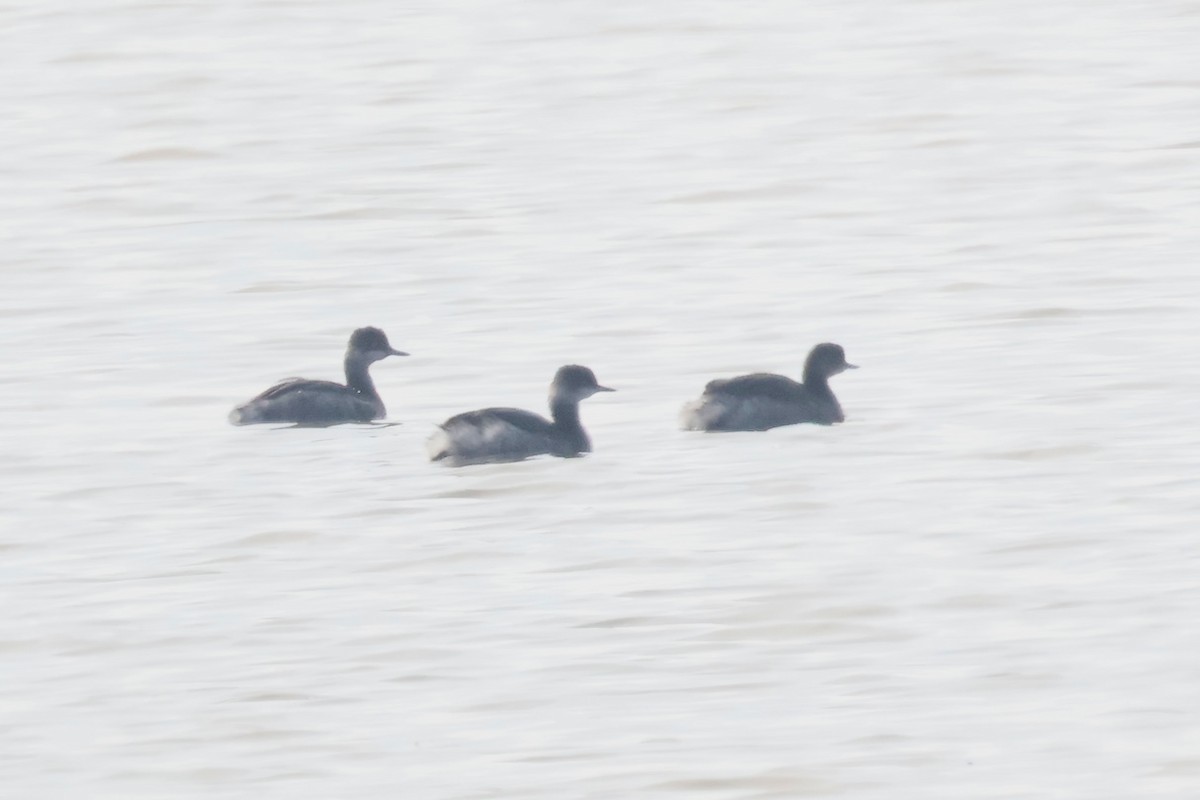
x: 815, y: 379
x: 565, y: 413
x: 358, y: 375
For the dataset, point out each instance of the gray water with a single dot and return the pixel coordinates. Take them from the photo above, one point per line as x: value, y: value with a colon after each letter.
x: 983, y: 585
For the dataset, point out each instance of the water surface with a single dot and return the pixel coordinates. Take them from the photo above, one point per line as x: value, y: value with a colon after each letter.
x: 983, y: 585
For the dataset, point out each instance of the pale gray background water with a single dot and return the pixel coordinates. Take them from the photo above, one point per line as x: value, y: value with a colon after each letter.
x: 983, y: 585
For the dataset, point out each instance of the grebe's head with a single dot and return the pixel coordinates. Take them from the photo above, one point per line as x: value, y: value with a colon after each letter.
x: 576, y: 383
x: 825, y: 361
x: 372, y: 344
